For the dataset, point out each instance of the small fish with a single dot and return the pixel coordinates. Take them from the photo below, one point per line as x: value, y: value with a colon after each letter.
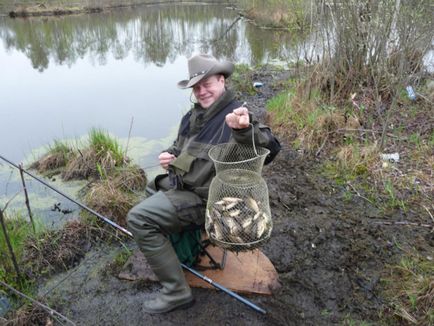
x: 252, y: 204
x: 256, y: 217
x: 220, y: 205
x: 218, y: 231
x: 236, y: 239
x: 261, y: 229
x: 234, y: 213
x: 216, y: 213
x: 248, y: 222
x: 230, y: 223
x: 232, y: 199
x: 231, y: 205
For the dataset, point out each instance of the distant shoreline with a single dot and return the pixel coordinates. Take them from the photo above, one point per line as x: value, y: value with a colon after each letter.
x: 38, y: 10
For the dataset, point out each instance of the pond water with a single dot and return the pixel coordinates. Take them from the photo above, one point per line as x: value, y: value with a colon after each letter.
x: 61, y: 76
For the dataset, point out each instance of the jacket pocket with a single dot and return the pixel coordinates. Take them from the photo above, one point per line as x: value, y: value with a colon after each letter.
x: 190, y: 208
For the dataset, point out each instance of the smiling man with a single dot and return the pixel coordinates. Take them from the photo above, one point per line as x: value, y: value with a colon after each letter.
x: 177, y: 199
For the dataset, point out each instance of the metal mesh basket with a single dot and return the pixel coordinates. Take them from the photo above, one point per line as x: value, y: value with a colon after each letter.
x: 232, y: 156
x: 238, y: 215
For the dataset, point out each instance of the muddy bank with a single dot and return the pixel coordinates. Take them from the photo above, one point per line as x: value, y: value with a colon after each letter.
x: 42, y: 10
x: 329, y: 253
x: 86, y: 7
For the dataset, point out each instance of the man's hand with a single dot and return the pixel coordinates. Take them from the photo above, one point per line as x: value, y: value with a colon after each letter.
x: 238, y: 119
x: 165, y: 158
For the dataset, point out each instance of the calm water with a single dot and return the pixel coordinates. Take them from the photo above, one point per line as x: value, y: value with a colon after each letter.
x: 59, y: 77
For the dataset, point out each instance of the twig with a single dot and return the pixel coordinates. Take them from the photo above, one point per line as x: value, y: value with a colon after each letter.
x: 358, y: 194
x: 406, y: 315
x: 27, y: 202
x: 322, y: 145
x: 405, y: 223
x: 424, y: 97
x: 286, y: 206
x: 429, y: 213
x: 227, y: 30
x: 129, y: 135
x: 368, y: 130
x: 11, y: 250
x: 373, y: 134
x: 9, y: 201
x: 51, y: 311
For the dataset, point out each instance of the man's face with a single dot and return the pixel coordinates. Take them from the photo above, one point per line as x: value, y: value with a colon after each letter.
x: 208, y: 90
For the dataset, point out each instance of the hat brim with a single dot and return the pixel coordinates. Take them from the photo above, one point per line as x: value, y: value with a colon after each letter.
x: 225, y: 68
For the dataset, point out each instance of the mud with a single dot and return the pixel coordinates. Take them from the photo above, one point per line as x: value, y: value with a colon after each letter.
x: 329, y: 253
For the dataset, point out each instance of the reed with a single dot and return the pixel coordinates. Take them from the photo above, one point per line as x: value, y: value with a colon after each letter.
x: 58, y: 155
x: 106, y: 147
x: 19, y: 230
x: 101, y: 157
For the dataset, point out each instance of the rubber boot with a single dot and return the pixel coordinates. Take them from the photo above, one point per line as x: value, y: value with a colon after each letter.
x: 176, y: 292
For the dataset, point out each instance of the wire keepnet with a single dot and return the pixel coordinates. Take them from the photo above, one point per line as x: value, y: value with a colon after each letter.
x: 238, y: 216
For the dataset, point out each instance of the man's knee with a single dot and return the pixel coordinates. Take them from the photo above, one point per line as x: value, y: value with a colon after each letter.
x: 136, y: 218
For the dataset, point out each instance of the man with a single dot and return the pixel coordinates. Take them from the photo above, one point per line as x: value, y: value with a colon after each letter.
x: 178, y: 198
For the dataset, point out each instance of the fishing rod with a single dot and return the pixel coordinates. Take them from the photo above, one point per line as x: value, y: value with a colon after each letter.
x: 128, y: 233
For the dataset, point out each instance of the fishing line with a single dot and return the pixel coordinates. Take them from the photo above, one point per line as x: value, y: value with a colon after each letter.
x: 50, y: 310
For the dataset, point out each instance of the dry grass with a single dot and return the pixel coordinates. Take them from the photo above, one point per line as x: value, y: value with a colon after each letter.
x: 50, y: 10
x: 113, y: 196
x: 130, y: 179
x: 49, y: 162
x: 100, y: 157
x: 29, y: 315
x: 291, y: 15
x: 410, y: 288
x: 88, y: 164
x: 56, y: 158
x: 347, y: 138
x: 58, y: 249
x: 114, y: 181
x: 308, y: 124
x: 358, y: 160
x: 110, y: 201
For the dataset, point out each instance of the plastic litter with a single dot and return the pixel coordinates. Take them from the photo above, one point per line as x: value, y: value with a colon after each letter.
x: 5, y: 305
x: 393, y: 157
x: 257, y: 84
x: 410, y: 92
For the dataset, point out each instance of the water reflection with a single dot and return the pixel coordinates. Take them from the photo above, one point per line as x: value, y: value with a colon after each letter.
x: 101, y: 70
x: 153, y: 34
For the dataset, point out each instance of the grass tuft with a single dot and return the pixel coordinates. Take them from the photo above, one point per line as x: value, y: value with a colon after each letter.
x: 19, y: 230
x: 410, y: 289
x: 56, y: 158
x: 106, y: 148
x: 242, y: 80
x: 99, y: 159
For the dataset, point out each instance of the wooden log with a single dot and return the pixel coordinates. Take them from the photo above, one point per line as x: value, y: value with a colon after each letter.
x: 245, y: 272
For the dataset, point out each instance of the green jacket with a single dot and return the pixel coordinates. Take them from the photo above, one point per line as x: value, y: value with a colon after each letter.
x: 199, y: 130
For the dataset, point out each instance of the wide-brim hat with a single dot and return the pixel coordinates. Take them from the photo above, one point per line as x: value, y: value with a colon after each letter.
x: 202, y: 66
